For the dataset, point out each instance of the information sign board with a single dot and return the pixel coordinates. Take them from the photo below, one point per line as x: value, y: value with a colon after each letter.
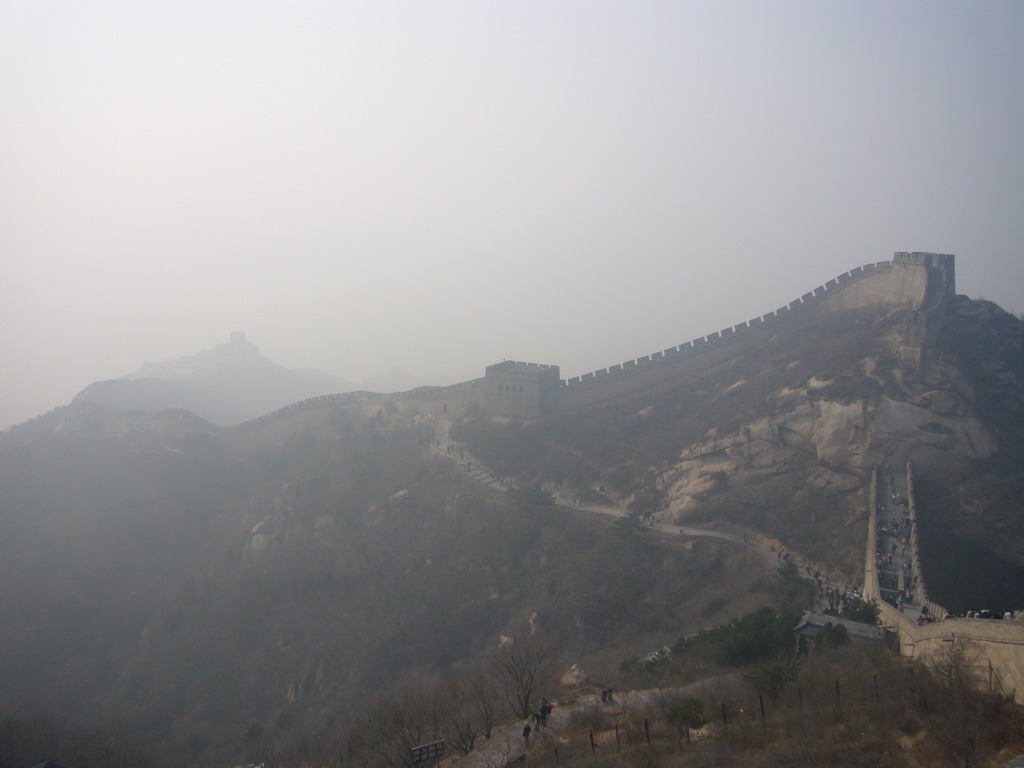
x: 427, y: 752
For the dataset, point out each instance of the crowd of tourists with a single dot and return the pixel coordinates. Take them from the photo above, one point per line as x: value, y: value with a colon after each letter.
x: 985, y: 613
x: 894, y: 556
x: 840, y: 599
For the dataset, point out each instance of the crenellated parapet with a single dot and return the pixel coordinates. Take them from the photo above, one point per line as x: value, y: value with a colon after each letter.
x: 923, y: 328
x: 943, y: 265
x: 921, y: 282
x: 702, y: 343
x: 516, y: 389
x: 459, y: 397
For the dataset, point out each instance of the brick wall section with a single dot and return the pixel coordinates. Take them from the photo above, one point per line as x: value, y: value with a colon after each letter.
x: 920, y: 281
x: 1000, y: 644
x: 902, y: 282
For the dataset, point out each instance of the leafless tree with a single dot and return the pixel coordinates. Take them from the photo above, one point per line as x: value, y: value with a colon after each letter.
x: 520, y: 669
x: 502, y: 757
x: 387, y: 732
x: 463, y: 726
x: 472, y: 705
x: 485, y: 699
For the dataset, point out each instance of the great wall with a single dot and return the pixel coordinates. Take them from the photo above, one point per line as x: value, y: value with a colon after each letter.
x: 919, y: 282
x: 922, y: 283
x: 925, y: 630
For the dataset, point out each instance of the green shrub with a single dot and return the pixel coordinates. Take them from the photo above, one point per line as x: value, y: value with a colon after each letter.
x: 769, y: 678
x: 688, y: 713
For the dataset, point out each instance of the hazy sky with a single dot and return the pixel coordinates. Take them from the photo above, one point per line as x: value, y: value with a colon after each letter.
x: 442, y: 185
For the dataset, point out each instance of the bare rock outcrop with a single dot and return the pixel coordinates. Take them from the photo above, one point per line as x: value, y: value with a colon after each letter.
x: 833, y: 444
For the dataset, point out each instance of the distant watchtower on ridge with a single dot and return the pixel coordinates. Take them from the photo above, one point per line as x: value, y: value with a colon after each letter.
x: 516, y: 389
x: 922, y: 330
x: 941, y: 265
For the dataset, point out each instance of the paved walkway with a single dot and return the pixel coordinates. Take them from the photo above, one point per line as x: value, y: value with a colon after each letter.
x: 895, y: 545
x: 507, y: 743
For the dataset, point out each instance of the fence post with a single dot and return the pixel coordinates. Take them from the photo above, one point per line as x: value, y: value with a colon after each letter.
x: 647, y: 730
x: 618, y: 743
x: 593, y: 747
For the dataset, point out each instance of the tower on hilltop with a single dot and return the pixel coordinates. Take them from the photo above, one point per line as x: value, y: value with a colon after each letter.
x: 516, y: 389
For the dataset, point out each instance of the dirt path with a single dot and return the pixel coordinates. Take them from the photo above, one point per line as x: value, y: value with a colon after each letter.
x: 769, y: 551
x: 506, y: 742
x: 442, y: 445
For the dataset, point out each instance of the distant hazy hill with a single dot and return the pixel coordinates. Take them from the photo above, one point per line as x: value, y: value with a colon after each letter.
x: 225, y: 385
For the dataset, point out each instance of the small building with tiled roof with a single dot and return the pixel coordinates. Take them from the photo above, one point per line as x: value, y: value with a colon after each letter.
x: 814, y: 622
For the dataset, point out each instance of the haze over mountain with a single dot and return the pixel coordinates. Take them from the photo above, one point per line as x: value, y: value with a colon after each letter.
x: 227, y: 384
x: 233, y: 590
x: 441, y: 186
x: 612, y: 188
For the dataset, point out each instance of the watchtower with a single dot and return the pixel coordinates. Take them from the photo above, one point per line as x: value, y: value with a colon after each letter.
x: 941, y: 267
x: 515, y: 389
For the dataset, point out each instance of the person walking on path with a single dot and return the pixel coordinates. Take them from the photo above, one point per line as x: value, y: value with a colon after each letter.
x: 526, y: 733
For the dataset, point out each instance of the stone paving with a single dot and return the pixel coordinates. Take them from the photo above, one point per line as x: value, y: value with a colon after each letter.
x: 895, y: 545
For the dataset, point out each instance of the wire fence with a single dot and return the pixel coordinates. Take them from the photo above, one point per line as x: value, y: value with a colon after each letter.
x: 799, y: 707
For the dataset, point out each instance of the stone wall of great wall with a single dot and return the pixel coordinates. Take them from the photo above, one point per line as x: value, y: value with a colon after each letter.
x: 994, y: 648
x: 455, y: 400
x: 508, y: 389
x: 922, y: 282
x: 923, y: 328
x: 719, y: 340
x: 919, y: 281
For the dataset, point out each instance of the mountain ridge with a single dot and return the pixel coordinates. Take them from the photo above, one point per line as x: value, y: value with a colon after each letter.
x: 227, y: 384
x: 220, y: 579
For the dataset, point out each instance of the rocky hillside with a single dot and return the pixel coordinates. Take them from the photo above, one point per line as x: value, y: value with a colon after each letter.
x: 202, y: 585
x: 219, y: 589
x: 782, y: 439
